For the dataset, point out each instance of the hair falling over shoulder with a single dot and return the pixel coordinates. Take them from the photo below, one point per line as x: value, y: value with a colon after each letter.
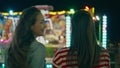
x: 23, y: 36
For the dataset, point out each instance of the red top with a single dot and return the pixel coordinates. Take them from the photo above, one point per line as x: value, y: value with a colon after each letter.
x: 59, y: 61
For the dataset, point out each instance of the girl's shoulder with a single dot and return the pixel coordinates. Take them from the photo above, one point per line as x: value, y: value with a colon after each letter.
x: 35, y: 45
x: 63, y: 49
x: 103, y: 51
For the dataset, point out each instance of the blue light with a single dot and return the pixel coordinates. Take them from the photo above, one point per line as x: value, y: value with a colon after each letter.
x: 11, y: 12
x: 72, y: 10
x: 3, y: 65
x: 49, y: 66
x: 104, y: 31
x: 68, y: 32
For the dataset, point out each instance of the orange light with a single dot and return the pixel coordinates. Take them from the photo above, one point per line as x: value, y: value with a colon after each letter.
x: 86, y: 8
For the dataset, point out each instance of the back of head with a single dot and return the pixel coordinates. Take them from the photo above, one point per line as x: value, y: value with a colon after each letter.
x: 81, y: 20
x: 22, y: 38
x: 83, y: 39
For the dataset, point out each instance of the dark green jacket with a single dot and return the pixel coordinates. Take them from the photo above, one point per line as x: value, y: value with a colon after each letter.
x: 37, y: 54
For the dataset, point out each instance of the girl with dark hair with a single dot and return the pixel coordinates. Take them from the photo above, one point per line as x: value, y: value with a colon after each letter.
x: 84, y: 52
x: 24, y: 51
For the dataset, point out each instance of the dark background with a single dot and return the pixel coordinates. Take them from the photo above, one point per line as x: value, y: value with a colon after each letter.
x: 109, y: 7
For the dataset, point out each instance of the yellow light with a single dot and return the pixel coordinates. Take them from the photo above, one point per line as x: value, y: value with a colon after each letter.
x: 4, y: 13
x: 93, y: 10
x: 61, y: 12
x: 15, y: 13
x: 69, y: 12
x: 20, y: 13
x: 52, y: 13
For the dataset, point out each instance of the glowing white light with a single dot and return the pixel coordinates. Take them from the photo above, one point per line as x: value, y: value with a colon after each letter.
x: 49, y: 66
x: 11, y: 12
x: 3, y: 65
x: 104, y: 17
x: 97, y: 17
x: 104, y: 31
x: 72, y: 10
x: 68, y: 31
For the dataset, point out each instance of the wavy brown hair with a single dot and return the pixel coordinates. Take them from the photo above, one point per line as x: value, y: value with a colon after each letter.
x: 22, y: 39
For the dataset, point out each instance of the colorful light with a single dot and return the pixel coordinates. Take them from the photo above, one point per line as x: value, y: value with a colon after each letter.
x: 68, y: 31
x: 72, y: 11
x: 49, y: 66
x: 98, y: 18
x: 11, y: 12
x: 86, y: 8
x: 3, y: 65
x: 104, y: 31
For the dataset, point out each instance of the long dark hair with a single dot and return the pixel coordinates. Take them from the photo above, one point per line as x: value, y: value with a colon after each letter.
x: 22, y: 38
x: 83, y: 40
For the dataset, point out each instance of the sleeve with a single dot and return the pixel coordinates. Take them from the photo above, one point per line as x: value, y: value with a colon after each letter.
x: 37, y: 59
x: 108, y: 64
x: 105, y: 60
x: 57, y: 59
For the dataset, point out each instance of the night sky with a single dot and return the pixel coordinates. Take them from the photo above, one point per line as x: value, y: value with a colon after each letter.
x: 109, y: 7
